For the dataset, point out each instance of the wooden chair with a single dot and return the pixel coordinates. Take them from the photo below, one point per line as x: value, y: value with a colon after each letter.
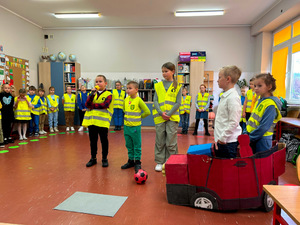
x: 293, y: 113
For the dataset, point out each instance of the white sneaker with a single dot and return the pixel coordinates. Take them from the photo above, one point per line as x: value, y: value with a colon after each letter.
x: 41, y: 132
x: 55, y: 129
x: 2, y: 146
x: 44, y: 132
x: 72, y: 128
x: 21, y: 138
x: 158, y: 167
x: 80, y: 128
x: 68, y: 129
x: 51, y: 129
x: 24, y: 137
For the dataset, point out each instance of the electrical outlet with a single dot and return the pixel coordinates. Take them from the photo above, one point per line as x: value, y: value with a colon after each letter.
x: 51, y: 36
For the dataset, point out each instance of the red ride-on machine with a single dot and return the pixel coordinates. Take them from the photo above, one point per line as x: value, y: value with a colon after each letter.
x: 201, y: 180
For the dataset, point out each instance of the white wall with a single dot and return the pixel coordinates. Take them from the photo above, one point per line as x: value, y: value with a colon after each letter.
x: 21, y: 39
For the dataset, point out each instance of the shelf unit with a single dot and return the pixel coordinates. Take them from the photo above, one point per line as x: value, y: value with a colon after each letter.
x: 183, y: 74
x: 71, y: 75
x: 208, y: 80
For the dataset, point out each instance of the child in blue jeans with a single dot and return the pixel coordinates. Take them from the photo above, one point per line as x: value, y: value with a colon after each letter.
x: 35, y: 112
x: 53, y: 102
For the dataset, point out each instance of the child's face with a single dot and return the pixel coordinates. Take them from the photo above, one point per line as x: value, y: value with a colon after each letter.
x: 261, y: 88
x: 6, y: 88
x: 222, y: 81
x: 69, y: 90
x: 252, y: 85
x: 31, y: 92
x: 118, y: 86
x: 52, y: 91
x: 41, y: 93
x: 131, y: 90
x: 184, y: 92
x: 83, y: 88
x: 243, y: 91
x: 167, y: 74
x: 22, y: 95
x: 202, y: 89
x: 101, y: 83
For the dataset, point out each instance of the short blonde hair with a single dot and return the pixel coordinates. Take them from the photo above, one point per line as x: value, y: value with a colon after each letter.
x: 232, y: 71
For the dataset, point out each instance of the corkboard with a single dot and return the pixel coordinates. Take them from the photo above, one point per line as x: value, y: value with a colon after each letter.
x: 17, y: 72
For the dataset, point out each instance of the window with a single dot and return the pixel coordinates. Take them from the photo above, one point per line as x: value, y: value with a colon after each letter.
x: 295, y: 73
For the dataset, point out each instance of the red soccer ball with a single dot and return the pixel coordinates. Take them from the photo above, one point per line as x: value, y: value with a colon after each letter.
x: 141, y: 176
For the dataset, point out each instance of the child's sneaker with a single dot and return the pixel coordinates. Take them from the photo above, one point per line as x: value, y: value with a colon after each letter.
x: 30, y: 135
x: 21, y: 138
x: 80, y: 128
x: 36, y: 134
x: 55, y: 129
x: 158, y: 167
x: 44, y: 132
x: 5, y: 141
x: 24, y: 137
x: 10, y: 140
x: 51, y: 130
x: 68, y: 129
x: 2, y: 145
x: 72, y: 129
x: 41, y: 132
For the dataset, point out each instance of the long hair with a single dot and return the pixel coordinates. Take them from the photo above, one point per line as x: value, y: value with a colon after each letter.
x: 171, y: 66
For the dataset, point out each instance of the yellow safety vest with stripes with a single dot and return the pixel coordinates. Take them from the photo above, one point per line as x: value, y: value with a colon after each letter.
x: 185, y: 106
x: 22, y: 112
x: 242, y: 118
x: 119, y: 100
x: 251, y: 96
x: 99, y: 117
x: 132, y: 112
x: 202, y: 101
x: 0, y: 111
x: 258, y: 112
x: 166, y: 100
x: 35, y: 100
x: 69, y: 103
x: 53, y: 103
x: 43, y: 107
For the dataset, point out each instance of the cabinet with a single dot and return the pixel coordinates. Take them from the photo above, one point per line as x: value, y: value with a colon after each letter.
x: 208, y: 80
x: 183, y: 74
x: 71, y: 75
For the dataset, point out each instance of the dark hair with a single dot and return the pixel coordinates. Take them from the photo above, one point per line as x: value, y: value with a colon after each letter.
x: 51, y: 88
x: 252, y: 79
x: 41, y: 89
x: 203, y: 85
x: 134, y: 83
x: 118, y: 82
x: 104, y: 78
x: 32, y: 88
x: 171, y: 66
x: 268, y: 79
x: 22, y: 91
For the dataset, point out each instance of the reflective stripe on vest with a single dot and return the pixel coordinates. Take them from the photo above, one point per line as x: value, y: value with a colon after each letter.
x: 69, y: 103
x: 166, y: 100
x: 43, y: 107
x: 53, y: 103
x: 242, y: 118
x: 202, y: 101
x: 35, y: 100
x: 99, y: 117
x: 257, y: 114
x: 119, y: 100
x: 185, y: 106
x: 23, y: 111
x: 132, y: 112
x: 250, y: 97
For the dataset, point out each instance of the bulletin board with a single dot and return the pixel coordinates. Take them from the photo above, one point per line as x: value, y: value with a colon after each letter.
x: 17, y: 72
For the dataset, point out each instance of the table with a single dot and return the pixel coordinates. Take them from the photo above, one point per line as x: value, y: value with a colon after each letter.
x: 286, y: 198
x: 288, y: 120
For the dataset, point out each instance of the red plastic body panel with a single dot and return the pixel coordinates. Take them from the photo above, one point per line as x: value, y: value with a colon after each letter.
x: 198, y: 166
x: 176, y: 170
x: 279, y: 162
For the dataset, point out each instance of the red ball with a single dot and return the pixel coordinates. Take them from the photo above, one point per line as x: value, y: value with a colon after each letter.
x: 141, y: 176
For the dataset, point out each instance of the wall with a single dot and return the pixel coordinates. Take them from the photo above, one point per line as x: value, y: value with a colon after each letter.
x: 21, y: 39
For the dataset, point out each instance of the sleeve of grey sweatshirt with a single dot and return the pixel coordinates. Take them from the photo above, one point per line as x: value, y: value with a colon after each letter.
x: 156, y: 105
x: 176, y: 105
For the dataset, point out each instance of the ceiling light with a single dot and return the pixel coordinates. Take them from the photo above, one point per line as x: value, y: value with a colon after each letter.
x: 200, y: 13
x: 77, y: 15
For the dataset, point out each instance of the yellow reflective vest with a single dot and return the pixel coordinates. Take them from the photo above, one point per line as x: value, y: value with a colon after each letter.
x: 119, y: 100
x: 185, y: 106
x: 99, y: 117
x: 69, y: 103
x: 132, y: 113
x: 251, y: 96
x: 43, y: 107
x: 53, y: 103
x: 166, y: 100
x: 257, y: 114
x: 202, y: 101
x: 35, y: 100
x: 22, y: 112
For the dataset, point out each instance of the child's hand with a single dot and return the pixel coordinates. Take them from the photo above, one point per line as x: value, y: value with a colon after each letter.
x: 165, y: 117
x: 244, y: 115
x: 83, y: 110
x: 221, y: 143
x: 52, y: 109
x: 199, y: 110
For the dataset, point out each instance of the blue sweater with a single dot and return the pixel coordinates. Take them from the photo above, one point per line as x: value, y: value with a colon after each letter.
x: 81, y: 101
x: 39, y: 101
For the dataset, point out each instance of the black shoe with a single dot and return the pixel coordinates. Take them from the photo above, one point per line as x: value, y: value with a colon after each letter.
x: 195, y: 133
x: 10, y: 140
x: 30, y: 135
x: 116, y: 128
x: 91, y: 162
x: 104, y: 163
x: 182, y: 132
x: 129, y: 164
x: 207, y: 134
x: 137, y: 165
x: 186, y: 132
x: 5, y: 141
x: 119, y: 128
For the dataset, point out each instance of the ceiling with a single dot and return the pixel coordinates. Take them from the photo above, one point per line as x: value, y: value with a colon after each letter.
x: 139, y: 13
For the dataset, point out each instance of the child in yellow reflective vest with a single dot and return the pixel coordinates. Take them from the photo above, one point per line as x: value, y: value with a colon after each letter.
x: 119, y: 96
x: 53, y: 102
x: 69, y: 101
x: 186, y: 102
x: 35, y: 112
x: 250, y: 101
x: 42, y: 111
x: 133, y: 107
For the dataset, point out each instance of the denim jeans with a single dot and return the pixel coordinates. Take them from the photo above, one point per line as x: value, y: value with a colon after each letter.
x: 53, y: 118
x: 118, y: 117
x: 185, y: 119
x: 34, y: 123
x: 229, y: 150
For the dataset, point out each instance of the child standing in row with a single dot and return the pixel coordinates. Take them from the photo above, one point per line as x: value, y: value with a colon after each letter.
x: 53, y: 102
x: 167, y: 100
x: 119, y: 96
x: 42, y: 111
x: 7, y: 111
x: 186, y: 102
x: 81, y: 100
x: 97, y: 119
x: 69, y: 101
x: 35, y: 112
x: 202, y: 107
x: 265, y: 115
x: 249, y: 101
x: 227, y: 128
x: 22, y: 113
x: 243, y: 96
x: 133, y: 107
x: 1, y: 132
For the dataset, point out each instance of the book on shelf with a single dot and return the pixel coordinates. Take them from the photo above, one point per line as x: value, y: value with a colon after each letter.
x: 69, y: 77
x: 181, y: 78
x: 183, y: 68
x: 69, y: 68
x: 73, y: 87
